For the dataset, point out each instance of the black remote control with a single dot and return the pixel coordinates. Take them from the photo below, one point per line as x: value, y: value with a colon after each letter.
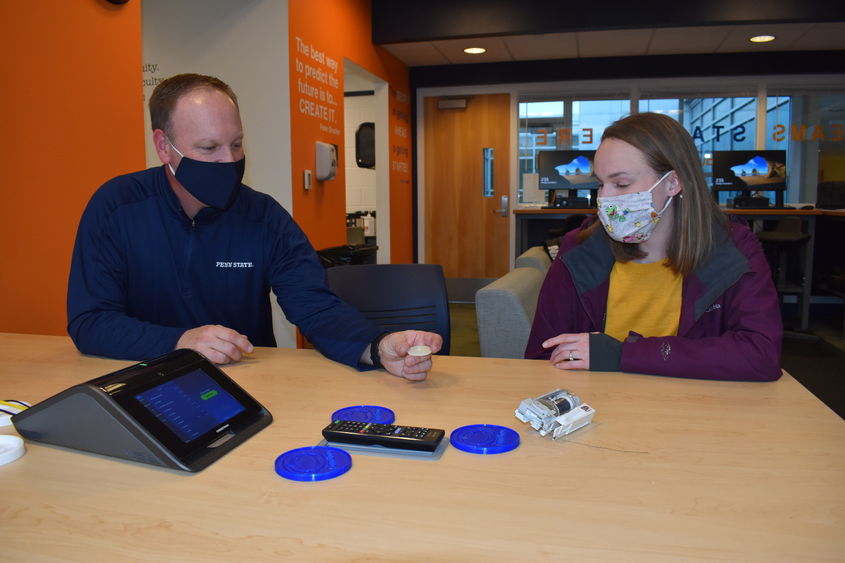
x: 388, y: 435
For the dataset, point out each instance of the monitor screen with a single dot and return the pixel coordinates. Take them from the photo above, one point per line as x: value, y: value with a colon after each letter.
x: 190, y: 405
x: 749, y: 170
x: 566, y: 170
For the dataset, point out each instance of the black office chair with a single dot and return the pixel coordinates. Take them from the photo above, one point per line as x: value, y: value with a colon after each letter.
x: 396, y: 296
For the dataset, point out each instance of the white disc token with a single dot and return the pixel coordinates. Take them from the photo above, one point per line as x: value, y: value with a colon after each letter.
x: 419, y: 351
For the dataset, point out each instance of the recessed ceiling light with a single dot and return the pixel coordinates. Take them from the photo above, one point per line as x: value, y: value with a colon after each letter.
x: 761, y: 38
x: 475, y: 50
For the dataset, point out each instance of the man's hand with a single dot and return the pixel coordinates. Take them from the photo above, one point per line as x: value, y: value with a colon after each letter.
x: 219, y: 344
x: 393, y: 350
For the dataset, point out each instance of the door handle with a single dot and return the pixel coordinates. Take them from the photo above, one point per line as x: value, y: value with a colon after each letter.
x: 504, y: 209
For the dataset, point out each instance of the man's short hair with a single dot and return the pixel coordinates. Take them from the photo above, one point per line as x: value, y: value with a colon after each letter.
x: 167, y: 94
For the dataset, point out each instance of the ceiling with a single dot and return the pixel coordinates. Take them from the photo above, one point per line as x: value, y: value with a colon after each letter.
x: 628, y: 42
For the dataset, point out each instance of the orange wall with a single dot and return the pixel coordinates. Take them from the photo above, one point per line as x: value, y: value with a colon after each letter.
x: 73, y: 112
x: 338, y: 29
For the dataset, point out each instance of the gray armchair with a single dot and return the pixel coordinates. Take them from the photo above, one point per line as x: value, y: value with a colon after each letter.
x: 534, y: 257
x: 505, y: 311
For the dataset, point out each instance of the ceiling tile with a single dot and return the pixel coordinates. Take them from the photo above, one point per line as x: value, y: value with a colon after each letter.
x: 823, y: 37
x: 664, y: 41
x: 613, y: 43
x: 542, y: 47
x: 417, y: 54
x: 453, y: 50
x: 686, y: 40
x: 786, y: 34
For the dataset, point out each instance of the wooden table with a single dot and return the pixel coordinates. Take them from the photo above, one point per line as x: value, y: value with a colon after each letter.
x: 670, y: 470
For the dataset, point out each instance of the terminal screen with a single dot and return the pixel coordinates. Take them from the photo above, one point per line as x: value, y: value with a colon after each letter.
x: 749, y: 170
x: 190, y: 405
x: 566, y: 170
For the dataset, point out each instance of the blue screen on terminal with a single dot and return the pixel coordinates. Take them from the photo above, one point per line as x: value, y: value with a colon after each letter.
x: 190, y: 405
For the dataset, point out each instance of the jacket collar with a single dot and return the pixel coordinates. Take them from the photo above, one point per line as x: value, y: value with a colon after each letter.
x: 203, y: 216
x: 721, y: 270
x: 590, y: 263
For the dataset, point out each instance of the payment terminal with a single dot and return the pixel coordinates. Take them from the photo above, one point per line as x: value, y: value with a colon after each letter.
x: 178, y: 411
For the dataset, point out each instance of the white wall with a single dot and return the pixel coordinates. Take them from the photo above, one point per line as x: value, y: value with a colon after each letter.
x: 367, y: 189
x: 245, y: 44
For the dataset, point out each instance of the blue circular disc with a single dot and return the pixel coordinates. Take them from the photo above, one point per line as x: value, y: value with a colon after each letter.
x: 315, y: 463
x: 484, y: 439
x: 365, y: 413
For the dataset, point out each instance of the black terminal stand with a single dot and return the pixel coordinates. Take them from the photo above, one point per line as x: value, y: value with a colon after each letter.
x: 178, y: 411
x: 752, y: 199
x: 569, y: 201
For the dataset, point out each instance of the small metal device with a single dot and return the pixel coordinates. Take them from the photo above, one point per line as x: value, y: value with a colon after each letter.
x: 557, y: 412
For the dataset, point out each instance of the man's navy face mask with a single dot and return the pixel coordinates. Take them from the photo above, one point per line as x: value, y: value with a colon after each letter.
x: 213, y: 183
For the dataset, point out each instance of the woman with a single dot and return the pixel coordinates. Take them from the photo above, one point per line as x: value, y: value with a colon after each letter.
x: 661, y: 282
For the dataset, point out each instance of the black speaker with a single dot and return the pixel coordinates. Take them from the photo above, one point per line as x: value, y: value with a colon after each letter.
x: 365, y: 145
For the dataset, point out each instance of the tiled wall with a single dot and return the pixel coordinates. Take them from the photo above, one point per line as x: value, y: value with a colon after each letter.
x: 360, y: 182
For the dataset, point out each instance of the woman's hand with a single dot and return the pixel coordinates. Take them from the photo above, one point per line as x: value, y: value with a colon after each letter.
x: 572, y: 352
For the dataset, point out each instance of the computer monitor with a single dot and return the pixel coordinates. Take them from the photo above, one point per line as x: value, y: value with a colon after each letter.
x: 570, y: 170
x: 749, y: 171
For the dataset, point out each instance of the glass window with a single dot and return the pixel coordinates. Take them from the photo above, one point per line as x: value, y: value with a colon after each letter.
x: 589, y: 119
x: 808, y: 127
x: 542, y: 126
x: 670, y: 107
x: 811, y: 128
x: 559, y: 125
x: 830, y: 132
x: 720, y: 124
x: 778, y: 109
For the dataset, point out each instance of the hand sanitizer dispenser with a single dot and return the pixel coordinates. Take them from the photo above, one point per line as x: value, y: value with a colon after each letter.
x: 326, y: 161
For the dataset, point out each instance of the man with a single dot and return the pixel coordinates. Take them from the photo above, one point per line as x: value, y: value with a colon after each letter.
x: 184, y: 255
